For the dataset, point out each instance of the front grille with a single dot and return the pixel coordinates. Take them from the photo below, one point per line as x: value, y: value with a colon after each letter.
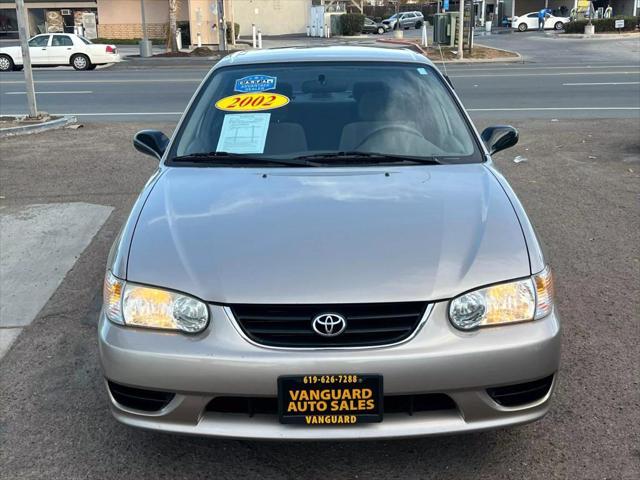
x: 521, y: 393
x: 368, y: 324
x: 408, y: 404
x: 138, y: 398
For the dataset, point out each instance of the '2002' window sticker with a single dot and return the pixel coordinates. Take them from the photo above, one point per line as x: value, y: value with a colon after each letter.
x: 252, y: 102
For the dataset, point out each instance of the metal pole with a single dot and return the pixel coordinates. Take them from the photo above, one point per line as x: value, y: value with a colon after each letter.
x: 145, y: 46
x: 461, y: 30
x: 144, y: 21
x: 26, y: 58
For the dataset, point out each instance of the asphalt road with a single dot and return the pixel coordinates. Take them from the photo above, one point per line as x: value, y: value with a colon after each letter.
x: 556, y: 80
x: 580, y: 185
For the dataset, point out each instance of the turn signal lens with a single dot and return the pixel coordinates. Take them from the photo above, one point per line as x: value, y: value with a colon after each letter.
x: 141, y: 306
x: 544, y: 293
x: 496, y: 305
x: 112, y: 297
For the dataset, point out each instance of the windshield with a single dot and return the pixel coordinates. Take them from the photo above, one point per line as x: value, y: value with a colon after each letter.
x: 85, y: 40
x: 322, y: 110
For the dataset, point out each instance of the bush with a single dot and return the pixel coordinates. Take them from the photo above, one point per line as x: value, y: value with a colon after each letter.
x: 237, y: 26
x: 602, y: 25
x: 351, y: 23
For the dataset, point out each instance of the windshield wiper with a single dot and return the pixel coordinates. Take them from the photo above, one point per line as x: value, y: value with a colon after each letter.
x: 228, y: 158
x: 370, y: 157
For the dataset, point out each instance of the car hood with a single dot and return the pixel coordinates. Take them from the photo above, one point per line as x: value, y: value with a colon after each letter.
x: 236, y: 235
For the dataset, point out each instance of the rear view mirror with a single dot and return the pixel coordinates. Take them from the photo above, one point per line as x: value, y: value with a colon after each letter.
x: 499, y: 138
x: 151, y: 142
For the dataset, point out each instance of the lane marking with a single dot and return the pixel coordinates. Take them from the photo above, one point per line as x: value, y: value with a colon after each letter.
x: 113, y: 80
x: 116, y: 114
x: 543, y: 109
x: 57, y: 93
x: 506, y: 109
x: 198, y: 80
x: 566, y: 67
x: 601, y: 83
x: 567, y: 74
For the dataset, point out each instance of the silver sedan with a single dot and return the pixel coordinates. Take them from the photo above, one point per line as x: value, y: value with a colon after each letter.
x: 326, y: 251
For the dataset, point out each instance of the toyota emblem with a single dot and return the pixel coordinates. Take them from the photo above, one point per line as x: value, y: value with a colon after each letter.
x: 329, y: 324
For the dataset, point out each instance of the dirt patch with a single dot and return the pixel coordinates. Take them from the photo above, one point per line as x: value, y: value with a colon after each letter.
x: 436, y: 53
x: 196, y: 52
x: 172, y: 54
x: 479, y: 52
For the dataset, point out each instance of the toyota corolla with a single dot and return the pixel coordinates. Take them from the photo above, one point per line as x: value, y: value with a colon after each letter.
x: 326, y: 251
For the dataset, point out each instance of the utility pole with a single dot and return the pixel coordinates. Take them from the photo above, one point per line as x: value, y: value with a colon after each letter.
x: 145, y: 45
x: 461, y: 30
x: 222, y: 24
x: 26, y: 58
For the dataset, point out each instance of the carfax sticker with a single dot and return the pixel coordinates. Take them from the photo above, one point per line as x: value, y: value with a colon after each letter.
x: 252, y: 102
x: 255, y: 83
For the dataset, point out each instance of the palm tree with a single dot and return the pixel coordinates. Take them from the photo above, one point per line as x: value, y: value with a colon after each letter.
x: 173, y: 10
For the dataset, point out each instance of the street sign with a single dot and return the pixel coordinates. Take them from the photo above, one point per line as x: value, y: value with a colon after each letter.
x: 619, y: 23
x: 445, y: 4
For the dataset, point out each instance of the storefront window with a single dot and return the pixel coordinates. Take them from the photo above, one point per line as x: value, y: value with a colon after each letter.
x: 8, y: 23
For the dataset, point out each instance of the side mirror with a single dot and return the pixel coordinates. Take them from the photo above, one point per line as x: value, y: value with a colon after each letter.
x: 151, y: 142
x: 499, y: 137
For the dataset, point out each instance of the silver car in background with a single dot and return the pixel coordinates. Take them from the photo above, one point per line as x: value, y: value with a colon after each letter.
x: 405, y: 20
x: 326, y: 251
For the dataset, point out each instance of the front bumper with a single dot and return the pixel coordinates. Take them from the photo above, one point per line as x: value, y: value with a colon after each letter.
x: 438, y: 359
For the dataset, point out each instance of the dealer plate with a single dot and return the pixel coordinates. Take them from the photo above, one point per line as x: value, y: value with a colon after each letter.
x: 340, y: 399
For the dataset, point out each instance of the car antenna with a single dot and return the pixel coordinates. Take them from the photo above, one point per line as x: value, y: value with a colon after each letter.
x: 444, y: 67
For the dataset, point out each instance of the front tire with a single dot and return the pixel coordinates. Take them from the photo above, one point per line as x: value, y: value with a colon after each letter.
x: 6, y: 63
x: 558, y: 26
x: 380, y: 30
x: 522, y: 27
x: 80, y: 62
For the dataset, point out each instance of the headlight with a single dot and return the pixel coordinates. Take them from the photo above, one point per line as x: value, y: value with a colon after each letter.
x: 141, y: 306
x: 519, y: 301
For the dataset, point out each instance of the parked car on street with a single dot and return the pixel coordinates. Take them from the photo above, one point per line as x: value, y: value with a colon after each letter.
x: 405, y: 20
x: 59, y: 49
x: 529, y: 21
x: 327, y: 251
x: 374, y: 27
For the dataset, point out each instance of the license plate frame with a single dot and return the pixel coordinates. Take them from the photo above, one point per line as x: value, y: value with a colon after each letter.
x: 338, y: 383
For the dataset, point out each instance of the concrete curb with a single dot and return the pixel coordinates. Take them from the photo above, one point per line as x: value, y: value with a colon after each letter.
x: 38, y: 127
x: 599, y: 36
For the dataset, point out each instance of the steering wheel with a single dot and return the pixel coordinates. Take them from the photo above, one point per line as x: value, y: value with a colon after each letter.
x: 400, y: 128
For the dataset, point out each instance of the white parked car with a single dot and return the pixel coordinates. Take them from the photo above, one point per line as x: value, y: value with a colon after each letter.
x: 529, y: 21
x: 49, y: 50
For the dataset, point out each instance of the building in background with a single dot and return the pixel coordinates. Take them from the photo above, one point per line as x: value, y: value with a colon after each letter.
x: 47, y: 16
x: 121, y: 19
